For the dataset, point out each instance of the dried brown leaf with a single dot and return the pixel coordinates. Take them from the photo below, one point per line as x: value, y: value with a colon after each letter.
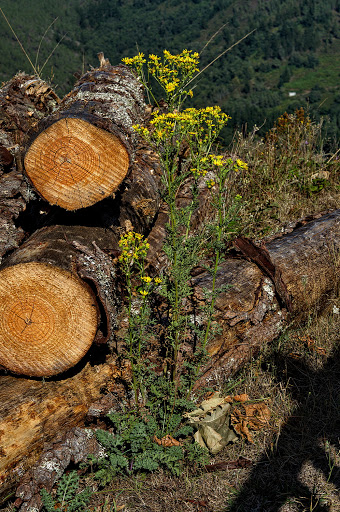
x: 228, y: 399
x: 167, y: 441
x: 241, y: 398
x: 252, y: 417
x: 240, y: 463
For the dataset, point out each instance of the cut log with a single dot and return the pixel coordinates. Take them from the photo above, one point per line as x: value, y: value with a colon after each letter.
x: 48, y: 315
x: 252, y: 313
x: 48, y: 319
x: 82, y: 153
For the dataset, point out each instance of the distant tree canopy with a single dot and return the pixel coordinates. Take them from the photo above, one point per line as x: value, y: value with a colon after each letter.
x: 295, y: 47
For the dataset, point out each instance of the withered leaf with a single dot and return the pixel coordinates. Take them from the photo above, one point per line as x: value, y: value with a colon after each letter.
x: 242, y: 429
x: 241, y: 398
x: 252, y: 417
x: 167, y: 441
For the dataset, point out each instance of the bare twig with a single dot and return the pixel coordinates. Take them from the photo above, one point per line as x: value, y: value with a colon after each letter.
x: 212, y: 37
x: 52, y: 52
x: 41, y: 40
x: 21, y: 46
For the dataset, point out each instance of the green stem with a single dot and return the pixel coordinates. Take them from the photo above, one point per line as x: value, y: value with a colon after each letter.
x: 131, y: 337
x: 219, y: 236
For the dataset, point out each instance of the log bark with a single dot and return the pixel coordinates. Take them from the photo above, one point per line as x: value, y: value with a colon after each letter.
x: 33, y: 413
x: 253, y: 311
x: 24, y: 100
x: 82, y: 153
x: 49, y: 316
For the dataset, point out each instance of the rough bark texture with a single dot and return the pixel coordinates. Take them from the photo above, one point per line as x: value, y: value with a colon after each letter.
x: 75, y: 447
x: 14, y: 195
x: 251, y: 313
x: 34, y: 412
x: 49, y: 315
x: 82, y: 153
x: 24, y: 101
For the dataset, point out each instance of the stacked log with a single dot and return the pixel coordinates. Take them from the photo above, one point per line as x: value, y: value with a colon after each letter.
x: 82, y: 152
x: 250, y: 313
x: 49, y: 315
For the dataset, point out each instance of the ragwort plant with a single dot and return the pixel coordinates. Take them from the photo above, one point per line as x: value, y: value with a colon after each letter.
x: 151, y: 433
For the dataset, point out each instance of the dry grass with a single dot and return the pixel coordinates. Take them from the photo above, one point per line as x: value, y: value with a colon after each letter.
x: 289, y: 175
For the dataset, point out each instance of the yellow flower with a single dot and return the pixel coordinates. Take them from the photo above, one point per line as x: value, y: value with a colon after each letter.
x: 154, y: 58
x: 143, y: 292
x: 170, y: 87
x: 210, y: 183
x: 241, y: 164
x: 146, y: 279
x: 158, y: 280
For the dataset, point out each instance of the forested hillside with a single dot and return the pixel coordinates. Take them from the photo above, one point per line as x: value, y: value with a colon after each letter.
x: 295, y: 48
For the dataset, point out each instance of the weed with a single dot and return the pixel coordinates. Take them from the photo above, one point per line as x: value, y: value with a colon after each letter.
x: 67, y: 498
x: 152, y: 434
x: 283, y: 171
x: 288, y: 175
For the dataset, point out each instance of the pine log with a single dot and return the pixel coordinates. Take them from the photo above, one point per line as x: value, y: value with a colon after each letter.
x: 254, y: 311
x: 82, y: 152
x: 48, y: 315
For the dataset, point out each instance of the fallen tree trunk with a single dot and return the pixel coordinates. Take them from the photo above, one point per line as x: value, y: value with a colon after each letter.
x: 250, y: 314
x: 82, y: 153
x: 49, y: 316
x: 305, y: 263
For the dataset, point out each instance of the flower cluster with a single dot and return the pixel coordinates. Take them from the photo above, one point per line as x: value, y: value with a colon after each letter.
x: 172, y: 72
x: 210, y: 183
x: 198, y: 172
x: 137, y: 62
x: 147, y: 284
x: 133, y: 248
x: 240, y: 165
x: 197, y: 125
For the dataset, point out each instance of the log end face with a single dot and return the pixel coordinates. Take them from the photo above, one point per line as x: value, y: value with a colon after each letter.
x: 48, y: 319
x: 74, y: 164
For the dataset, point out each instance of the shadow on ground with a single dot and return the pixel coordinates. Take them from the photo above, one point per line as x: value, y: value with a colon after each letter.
x: 305, y: 449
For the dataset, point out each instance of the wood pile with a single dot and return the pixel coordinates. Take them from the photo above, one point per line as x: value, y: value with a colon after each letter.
x: 75, y: 169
